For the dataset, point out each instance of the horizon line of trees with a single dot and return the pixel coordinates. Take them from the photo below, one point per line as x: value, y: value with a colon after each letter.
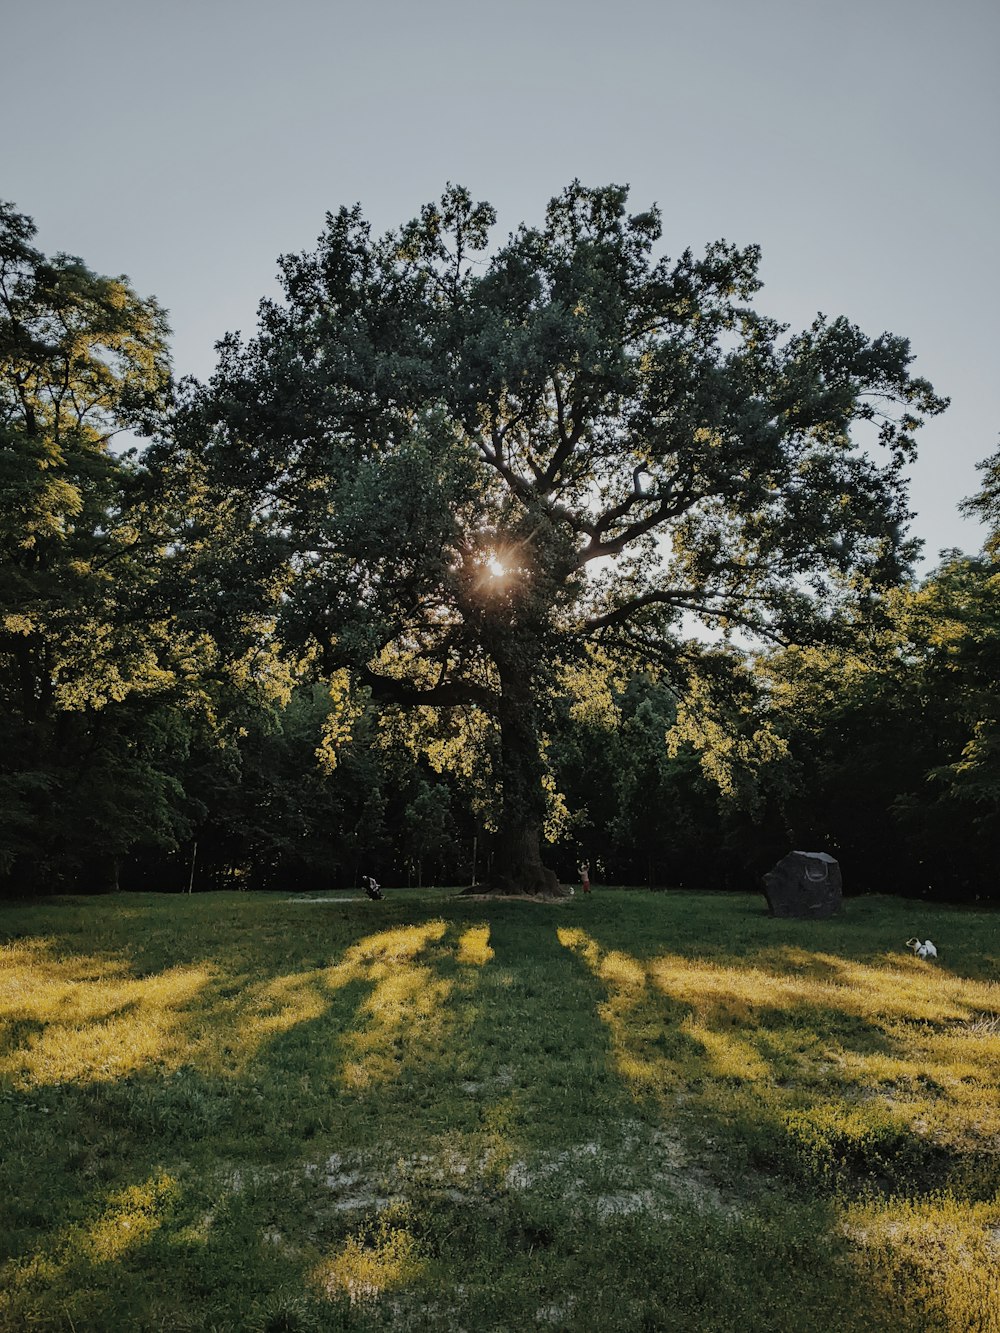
x: 191, y: 699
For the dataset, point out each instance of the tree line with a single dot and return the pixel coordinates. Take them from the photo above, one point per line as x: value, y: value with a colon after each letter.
x: 474, y: 562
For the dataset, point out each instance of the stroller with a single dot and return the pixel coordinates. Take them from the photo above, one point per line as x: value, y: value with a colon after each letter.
x: 372, y: 888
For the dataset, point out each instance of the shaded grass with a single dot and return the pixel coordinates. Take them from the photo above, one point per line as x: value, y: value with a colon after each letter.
x: 633, y: 1110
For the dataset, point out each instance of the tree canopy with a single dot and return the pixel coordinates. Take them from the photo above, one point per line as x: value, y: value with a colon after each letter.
x: 456, y: 467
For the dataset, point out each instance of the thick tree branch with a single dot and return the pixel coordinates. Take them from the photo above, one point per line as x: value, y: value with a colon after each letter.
x: 615, y: 545
x: 521, y: 487
x: 445, y: 694
x: 670, y: 504
x: 622, y: 614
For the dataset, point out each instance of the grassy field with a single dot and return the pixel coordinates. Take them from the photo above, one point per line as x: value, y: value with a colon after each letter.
x: 630, y: 1111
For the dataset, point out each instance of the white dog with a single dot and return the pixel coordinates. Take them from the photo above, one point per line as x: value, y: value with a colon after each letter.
x: 925, y: 950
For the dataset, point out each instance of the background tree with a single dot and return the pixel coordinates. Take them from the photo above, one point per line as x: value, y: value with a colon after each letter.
x: 895, y: 738
x: 82, y: 358
x: 977, y: 656
x: 639, y: 811
x: 436, y: 448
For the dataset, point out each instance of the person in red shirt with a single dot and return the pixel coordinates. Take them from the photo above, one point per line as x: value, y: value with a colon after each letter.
x: 585, y: 876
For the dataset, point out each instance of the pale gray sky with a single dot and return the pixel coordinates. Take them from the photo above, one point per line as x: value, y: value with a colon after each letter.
x: 189, y: 144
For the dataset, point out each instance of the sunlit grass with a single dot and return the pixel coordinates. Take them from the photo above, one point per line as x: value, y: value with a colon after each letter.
x: 626, y: 1111
x: 903, y: 1032
x: 130, y: 1219
x: 382, y: 1258
x: 72, y: 1018
x: 938, y: 1258
x: 474, y: 946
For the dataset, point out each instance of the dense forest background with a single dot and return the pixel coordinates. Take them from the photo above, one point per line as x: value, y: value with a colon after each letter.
x: 158, y: 732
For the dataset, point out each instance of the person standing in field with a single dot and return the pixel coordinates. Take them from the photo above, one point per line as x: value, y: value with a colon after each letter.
x: 585, y: 876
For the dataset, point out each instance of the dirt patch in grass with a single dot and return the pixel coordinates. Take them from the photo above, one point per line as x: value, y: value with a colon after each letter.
x: 634, y: 1170
x: 335, y: 901
x: 645, y: 1171
x: 547, y: 898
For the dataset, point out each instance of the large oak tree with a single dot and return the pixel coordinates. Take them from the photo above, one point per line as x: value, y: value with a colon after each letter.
x: 455, y: 466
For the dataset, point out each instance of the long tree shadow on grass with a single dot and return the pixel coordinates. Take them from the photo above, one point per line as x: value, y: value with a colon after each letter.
x: 818, y: 1064
x: 567, y: 1177
x: 539, y: 1059
x: 460, y: 1058
x: 790, y: 1081
x: 350, y: 1042
x: 811, y: 1076
x: 206, y: 1075
x: 604, y: 1221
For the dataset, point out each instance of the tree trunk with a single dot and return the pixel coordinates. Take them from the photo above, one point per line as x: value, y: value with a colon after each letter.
x: 517, y: 867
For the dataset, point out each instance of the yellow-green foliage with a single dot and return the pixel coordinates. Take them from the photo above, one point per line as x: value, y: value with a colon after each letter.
x: 591, y: 686
x: 346, y: 707
x: 735, y: 739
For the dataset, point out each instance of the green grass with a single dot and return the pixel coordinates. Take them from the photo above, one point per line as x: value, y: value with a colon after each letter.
x: 629, y: 1111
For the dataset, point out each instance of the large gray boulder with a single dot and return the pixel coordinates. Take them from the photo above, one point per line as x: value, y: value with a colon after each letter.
x: 804, y: 884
